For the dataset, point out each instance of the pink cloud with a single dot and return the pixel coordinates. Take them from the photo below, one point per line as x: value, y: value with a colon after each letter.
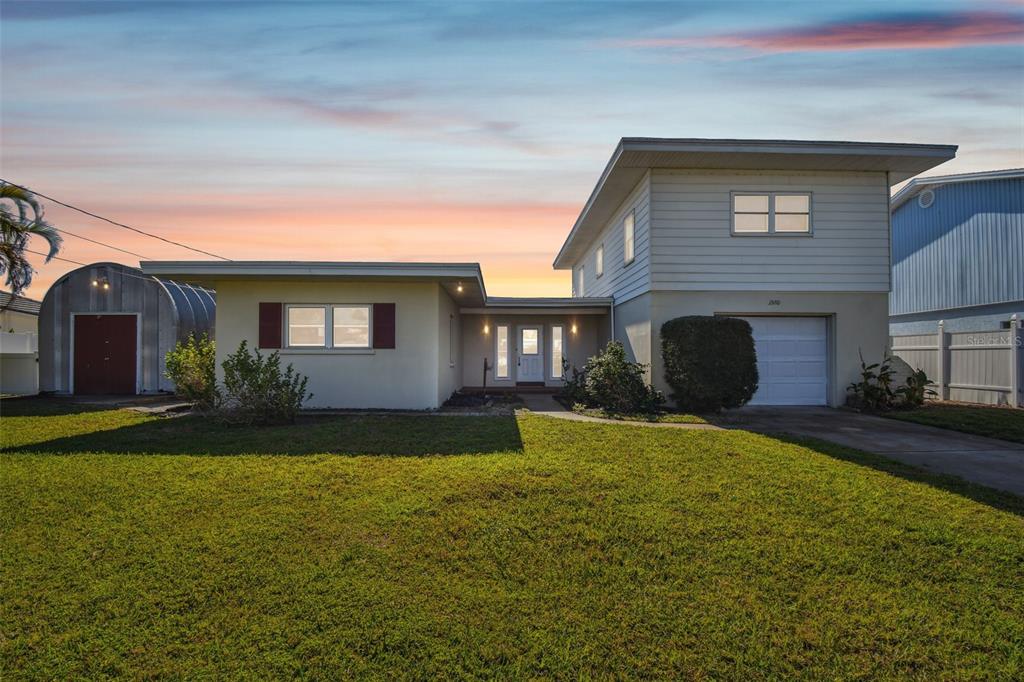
x: 898, y: 32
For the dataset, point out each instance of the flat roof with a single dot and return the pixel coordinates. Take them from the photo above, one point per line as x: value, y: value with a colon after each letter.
x: 914, y: 187
x: 633, y: 156
x: 449, y: 275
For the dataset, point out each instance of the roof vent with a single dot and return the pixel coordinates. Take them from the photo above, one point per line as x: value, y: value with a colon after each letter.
x: 926, y: 198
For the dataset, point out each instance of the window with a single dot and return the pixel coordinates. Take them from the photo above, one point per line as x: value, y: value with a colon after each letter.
x: 628, y: 244
x: 530, y: 342
x: 557, y: 354
x: 352, y: 326
x: 771, y: 213
x: 579, y: 282
x: 501, y: 352
x: 307, y: 326
x: 599, y: 257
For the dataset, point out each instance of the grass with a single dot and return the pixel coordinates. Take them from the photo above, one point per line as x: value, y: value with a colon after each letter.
x: 660, y: 417
x: 423, y: 547
x: 995, y: 422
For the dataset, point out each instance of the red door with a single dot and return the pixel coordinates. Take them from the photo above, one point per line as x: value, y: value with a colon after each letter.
x: 105, y: 354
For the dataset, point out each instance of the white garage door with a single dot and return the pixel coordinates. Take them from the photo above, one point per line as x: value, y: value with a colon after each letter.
x: 792, y: 360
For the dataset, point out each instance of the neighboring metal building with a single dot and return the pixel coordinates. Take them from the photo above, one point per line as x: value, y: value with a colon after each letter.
x: 105, y: 329
x: 958, y: 253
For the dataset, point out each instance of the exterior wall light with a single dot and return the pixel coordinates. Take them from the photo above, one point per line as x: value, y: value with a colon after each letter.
x: 573, y: 327
x: 95, y: 282
x: 487, y: 329
x: 459, y: 288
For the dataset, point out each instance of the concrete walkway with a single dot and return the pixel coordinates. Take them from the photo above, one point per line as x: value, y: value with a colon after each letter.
x: 987, y: 461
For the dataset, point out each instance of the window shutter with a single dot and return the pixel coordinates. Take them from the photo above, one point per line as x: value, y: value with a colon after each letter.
x: 270, y: 325
x: 383, y: 325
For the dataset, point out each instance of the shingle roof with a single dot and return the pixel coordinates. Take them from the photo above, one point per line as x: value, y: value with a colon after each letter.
x: 19, y: 304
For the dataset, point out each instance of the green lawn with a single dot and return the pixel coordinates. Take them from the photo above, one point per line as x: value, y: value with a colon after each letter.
x: 660, y: 417
x: 995, y: 422
x: 426, y: 547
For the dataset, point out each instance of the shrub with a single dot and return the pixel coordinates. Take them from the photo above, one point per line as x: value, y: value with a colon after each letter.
x: 611, y: 382
x: 257, y: 391
x: 710, y: 362
x: 191, y: 366
x: 875, y: 393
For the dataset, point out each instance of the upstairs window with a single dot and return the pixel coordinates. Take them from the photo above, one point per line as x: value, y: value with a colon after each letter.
x: 579, y: 282
x: 628, y: 243
x: 599, y: 258
x: 771, y: 213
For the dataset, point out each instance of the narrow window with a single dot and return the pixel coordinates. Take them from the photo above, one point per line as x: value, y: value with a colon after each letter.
x: 628, y: 226
x: 750, y: 213
x: 501, y: 352
x: 351, y: 326
x: 451, y: 340
x: 792, y: 213
x: 579, y: 282
x: 307, y: 326
x: 557, y: 355
x: 599, y: 257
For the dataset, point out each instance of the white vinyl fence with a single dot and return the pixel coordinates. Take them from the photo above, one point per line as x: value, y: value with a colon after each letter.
x: 976, y: 367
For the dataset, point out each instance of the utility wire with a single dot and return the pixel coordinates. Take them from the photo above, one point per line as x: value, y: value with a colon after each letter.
x: 66, y: 260
x: 146, y: 278
x: 114, y: 222
x: 109, y: 246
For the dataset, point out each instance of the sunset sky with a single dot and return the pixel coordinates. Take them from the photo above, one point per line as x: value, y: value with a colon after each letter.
x: 455, y: 131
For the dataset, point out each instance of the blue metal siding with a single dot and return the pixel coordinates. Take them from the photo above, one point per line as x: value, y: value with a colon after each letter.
x: 966, y: 249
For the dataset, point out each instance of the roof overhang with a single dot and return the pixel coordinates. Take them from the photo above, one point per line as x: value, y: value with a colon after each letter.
x: 542, y: 306
x: 634, y: 156
x: 463, y: 281
x: 915, y: 186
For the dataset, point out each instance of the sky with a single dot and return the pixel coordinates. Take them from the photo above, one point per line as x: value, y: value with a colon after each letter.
x: 458, y: 131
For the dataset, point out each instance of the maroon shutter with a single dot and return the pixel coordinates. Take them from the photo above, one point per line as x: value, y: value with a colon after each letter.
x: 270, y: 325
x: 383, y: 325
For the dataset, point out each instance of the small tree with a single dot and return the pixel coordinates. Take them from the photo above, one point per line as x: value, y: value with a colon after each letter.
x: 257, y: 391
x: 192, y: 367
x: 710, y: 362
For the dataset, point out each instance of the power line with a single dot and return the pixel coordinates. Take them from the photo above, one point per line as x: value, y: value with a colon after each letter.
x: 114, y: 222
x: 66, y: 260
x: 109, y: 246
x: 147, y: 278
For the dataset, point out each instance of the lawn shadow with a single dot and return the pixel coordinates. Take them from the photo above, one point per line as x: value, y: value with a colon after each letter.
x: 43, y: 406
x: 412, y: 436
x: 997, y: 499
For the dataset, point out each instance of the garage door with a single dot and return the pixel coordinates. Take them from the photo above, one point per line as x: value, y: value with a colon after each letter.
x: 792, y: 360
x: 105, y: 354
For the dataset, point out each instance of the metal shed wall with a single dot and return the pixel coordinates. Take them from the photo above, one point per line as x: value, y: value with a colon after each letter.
x: 167, y: 311
x: 966, y: 249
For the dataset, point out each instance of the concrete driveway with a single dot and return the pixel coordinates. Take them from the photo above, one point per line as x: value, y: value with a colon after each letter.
x: 990, y: 462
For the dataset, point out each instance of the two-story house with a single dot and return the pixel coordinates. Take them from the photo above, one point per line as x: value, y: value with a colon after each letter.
x: 793, y: 236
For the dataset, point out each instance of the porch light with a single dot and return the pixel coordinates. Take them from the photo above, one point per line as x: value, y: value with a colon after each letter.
x: 459, y: 288
x: 487, y: 329
x: 573, y: 327
x: 95, y: 283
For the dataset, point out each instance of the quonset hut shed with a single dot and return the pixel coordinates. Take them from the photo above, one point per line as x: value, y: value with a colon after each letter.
x: 105, y: 328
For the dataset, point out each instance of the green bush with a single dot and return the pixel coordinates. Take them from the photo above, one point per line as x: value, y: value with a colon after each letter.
x: 257, y: 391
x: 611, y: 382
x: 710, y: 362
x: 875, y: 393
x: 191, y: 366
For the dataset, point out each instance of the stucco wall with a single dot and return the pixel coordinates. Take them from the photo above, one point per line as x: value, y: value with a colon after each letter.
x: 405, y: 377
x: 592, y: 333
x: 449, y: 348
x: 858, y: 321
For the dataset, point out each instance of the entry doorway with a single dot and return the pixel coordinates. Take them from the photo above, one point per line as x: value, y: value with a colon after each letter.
x: 530, y: 354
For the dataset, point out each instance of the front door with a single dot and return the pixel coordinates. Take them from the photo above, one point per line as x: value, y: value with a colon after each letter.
x: 530, y: 362
x: 104, y: 354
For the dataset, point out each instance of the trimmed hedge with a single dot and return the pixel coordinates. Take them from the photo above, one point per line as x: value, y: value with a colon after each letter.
x: 710, y: 362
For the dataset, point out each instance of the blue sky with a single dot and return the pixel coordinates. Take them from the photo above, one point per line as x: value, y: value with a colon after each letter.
x: 457, y: 131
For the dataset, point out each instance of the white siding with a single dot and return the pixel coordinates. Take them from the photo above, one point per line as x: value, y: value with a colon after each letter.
x: 620, y: 280
x: 693, y: 248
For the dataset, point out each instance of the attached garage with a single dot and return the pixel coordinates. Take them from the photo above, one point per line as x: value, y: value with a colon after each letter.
x: 105, y: 329
x: 792, y: 360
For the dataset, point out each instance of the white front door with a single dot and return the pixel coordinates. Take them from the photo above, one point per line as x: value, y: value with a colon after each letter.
x: 792, y: 360
x: 530, y: 354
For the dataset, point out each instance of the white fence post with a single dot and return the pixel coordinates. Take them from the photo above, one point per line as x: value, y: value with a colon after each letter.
x: 943, y: 366
x: 1015, y: 350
